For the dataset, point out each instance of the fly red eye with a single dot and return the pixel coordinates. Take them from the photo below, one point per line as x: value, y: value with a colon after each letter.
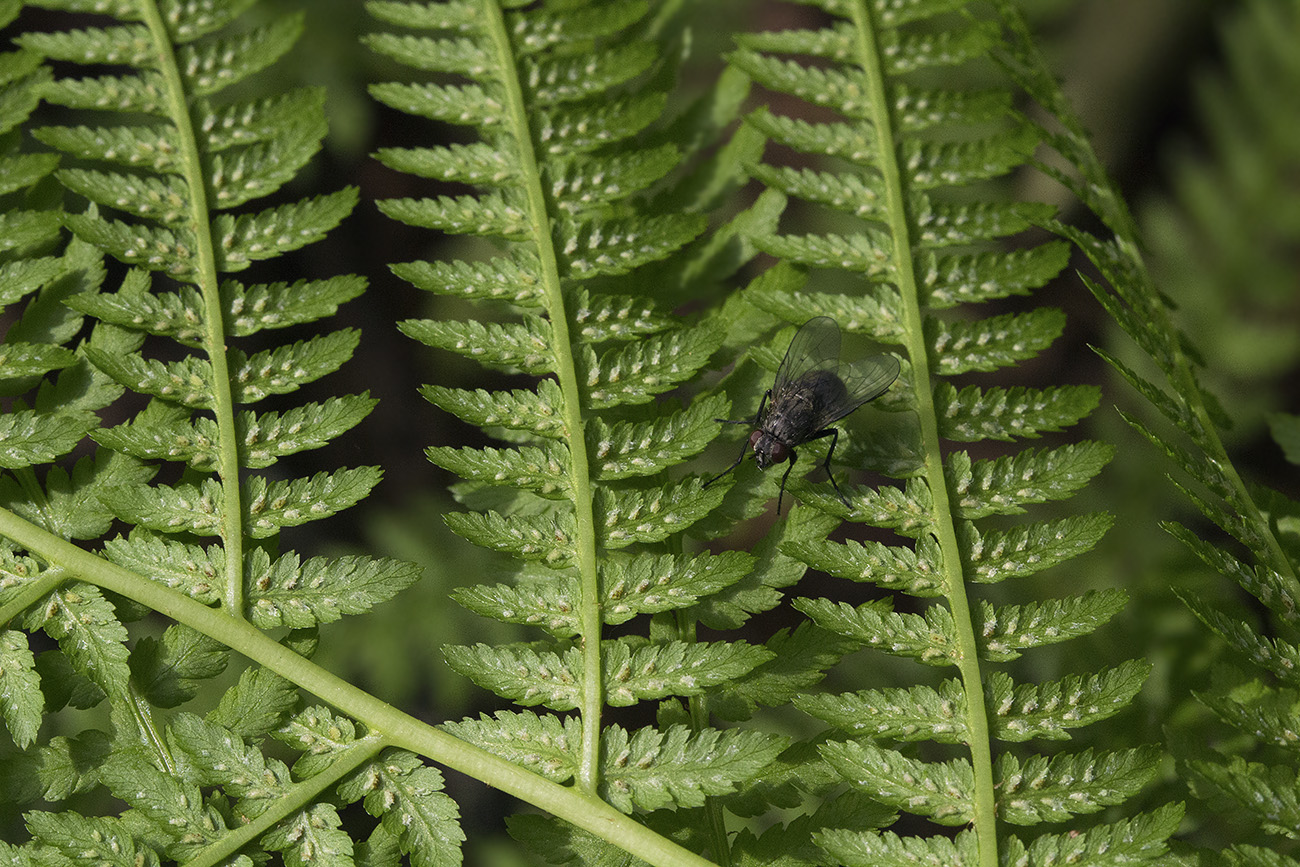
x: 754, y: 438
x: 780, y: 451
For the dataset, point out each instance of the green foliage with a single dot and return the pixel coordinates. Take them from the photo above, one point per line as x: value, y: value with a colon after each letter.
x: 906, y: 167
x: 576, y: 139
x: 162, y: 150
x: 599, y: 193
x: 1189, y: 426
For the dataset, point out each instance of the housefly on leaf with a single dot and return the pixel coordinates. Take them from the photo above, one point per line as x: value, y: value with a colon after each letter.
x: 812, y: 391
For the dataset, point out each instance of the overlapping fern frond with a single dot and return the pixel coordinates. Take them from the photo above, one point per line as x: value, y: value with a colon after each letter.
x: 171, y: 155
x: 1261, y: 555
x: 915, y: 243
x: 585, y: 182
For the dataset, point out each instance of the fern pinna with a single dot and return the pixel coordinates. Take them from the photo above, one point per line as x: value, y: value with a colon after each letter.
x: 584, y: 186
x: 170, y: 155
x: 902, y: 167
x: 1251, y: 779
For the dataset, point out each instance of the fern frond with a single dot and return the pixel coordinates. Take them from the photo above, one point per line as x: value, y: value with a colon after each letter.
x: 902, y: 162
x: 1188, y: 423
x: 169, y: 161
x: 579, y: 176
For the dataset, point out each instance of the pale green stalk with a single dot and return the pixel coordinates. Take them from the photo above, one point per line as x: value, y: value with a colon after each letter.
x: 397, y: 728
x: 984, y: 819
x: 590, y: 623
x: 214, y: 338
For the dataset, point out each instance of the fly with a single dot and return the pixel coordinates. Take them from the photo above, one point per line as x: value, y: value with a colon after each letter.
x: 811, y: 392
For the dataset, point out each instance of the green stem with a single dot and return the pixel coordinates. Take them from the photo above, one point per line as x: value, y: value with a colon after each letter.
x: 399, y: 729
x: 984, y: 818
x: 589, y: 614
x: 296, y: 798
x: 214, y: 337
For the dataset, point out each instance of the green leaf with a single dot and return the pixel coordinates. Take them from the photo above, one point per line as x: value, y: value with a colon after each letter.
x: 800, y: 661
x: 289, y: 367
x: 1047, y: 710
x: 1268, y: 792
x: 901, y: 713
x: 627, y: 516
x: 652, y: 769
x: 916, y: 572
x: 190, y: 569
x: 69, y: 765
x: 546, y: 745
x: 21, y: 701
x: 577, y: 130
x: 108, y: 841
x: 992, y: 555
x: 408, y: 797
x: 312, y: 837
x: 1003, y: 486
x: 544, y: 470
x: 996, y: 413
x: 89, y: 634
x: 634, y: 373
x: 1140, y: 839
x: 168, y: 671
x: 269, y: 233
x: 28, y: 437
x: 169, y: 805
x: 256, y: 705
x: 943, y: 792
x: 949, y: 280
x: 525, y: 346
x: 321, y: 736
x: 928, y: 638
x: 1286, y: 433
x: 993, y: 342
x: 649, y: 584
x: 547, y: 602
x: 211, y: 67
x: 515, y: 279
x: 303, y: 593
x: 887, y: 849
x: 521, y: 674
x: 626, y: 449
x: 1007, y: 630
x: 536, y: 412
x: 267, y: 437
x: 634, y: 674
x: 145, y: 147
x: 1040, y: 789
x: 273, y: 505
x: 492, y: 215
x: 1266, y: 711
x: 250, y: 309
x: 187, y: 382
x: 548, y: 539
x: 183, y: 508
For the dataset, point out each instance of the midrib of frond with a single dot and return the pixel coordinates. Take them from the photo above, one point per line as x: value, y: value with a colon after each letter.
x: 566, y: 373
x: 214, y: 337
x: 881, y: 119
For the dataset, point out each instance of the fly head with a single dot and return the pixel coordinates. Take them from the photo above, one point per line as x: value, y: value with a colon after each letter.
x: 768, y: 450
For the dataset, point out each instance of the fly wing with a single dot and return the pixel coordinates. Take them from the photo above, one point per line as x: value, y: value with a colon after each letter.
x: 864, y: 380
x: 816, y: 346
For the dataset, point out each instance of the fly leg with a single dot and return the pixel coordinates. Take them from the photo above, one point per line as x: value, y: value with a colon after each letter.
x: 783, y: 478
x: 834, y: 434
x: 736, y: 462
x: 756, y: 421
x: 745, y: 445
